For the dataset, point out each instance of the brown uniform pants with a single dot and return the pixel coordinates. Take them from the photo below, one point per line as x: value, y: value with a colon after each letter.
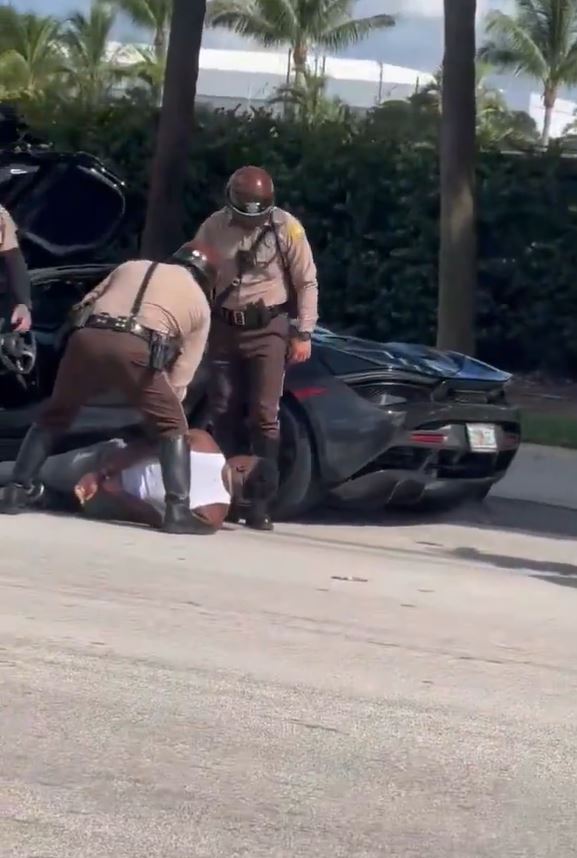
x: 97, y: 361
x: 247, y: 370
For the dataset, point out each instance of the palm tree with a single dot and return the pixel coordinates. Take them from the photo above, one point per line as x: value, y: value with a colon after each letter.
x: 30, y: 58
x: 90, y: 71
x: 165, y: 210
x: 152, y: 15
x: 457, y: 253
x: 149, y: 68
x: 540, y: 41
x: 300, y: 25
x: 307, y: 100
x: 496, y: 124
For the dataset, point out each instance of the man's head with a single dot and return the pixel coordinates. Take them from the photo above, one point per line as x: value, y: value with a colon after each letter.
x: 202, y: 260
x: 252, y: 478
x: 250, y: 196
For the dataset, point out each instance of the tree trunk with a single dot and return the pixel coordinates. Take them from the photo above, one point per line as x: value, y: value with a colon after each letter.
x: 163, y: 231
x: 160, y: 44
x: 300, y: 53
x: 549, y: 100
x: 457, y: 254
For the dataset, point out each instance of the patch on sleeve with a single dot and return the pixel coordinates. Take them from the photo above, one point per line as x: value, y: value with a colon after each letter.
x: 8, y: 239
x: 295, y: 230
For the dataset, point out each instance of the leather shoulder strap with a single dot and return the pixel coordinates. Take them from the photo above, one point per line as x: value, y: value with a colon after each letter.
x: 143, y: 287
x: 284, y: 261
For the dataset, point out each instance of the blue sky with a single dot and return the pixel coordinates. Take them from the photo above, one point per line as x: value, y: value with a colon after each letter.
x: 416, y: 41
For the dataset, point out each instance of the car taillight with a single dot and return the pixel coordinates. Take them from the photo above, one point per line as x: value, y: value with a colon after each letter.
x: 429, y: 438
x: 308, y: 392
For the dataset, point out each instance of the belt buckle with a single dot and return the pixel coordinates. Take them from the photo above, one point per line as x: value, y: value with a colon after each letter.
x: 239, y: 318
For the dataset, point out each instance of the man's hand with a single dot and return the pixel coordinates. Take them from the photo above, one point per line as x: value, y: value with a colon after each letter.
x: 21, y: 319
x: 87, y: 487
x: 299, y: 350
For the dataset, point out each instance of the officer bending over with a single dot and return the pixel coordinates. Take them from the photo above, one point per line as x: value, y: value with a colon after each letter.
x: 142, y: 331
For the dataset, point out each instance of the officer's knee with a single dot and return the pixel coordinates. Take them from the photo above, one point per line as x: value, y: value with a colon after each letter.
x: 56, y: 419
x: 264, y: 422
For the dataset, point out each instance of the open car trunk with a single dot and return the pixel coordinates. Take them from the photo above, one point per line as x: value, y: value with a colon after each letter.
x: 67, y: 207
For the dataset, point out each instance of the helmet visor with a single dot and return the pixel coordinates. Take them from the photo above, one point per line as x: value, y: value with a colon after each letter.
x: 248, y: 207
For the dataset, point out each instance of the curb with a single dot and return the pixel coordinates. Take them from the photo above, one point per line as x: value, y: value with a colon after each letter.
x: 545, y: 475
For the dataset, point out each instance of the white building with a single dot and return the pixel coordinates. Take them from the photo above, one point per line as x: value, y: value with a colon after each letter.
x: 250, y: 78
x: 563, y: 114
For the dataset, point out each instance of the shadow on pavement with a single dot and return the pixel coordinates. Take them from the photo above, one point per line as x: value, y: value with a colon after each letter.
x: 558, y: 579
x: 506, y: 562
x: 563, y: 574
x: 493, y: 514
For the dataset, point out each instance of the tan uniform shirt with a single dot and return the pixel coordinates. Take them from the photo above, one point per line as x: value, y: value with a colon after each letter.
x: 8, y: 239
x: 174, y: 304
x: 267, y: 280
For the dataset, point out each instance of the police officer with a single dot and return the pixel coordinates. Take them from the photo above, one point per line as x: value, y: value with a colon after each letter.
x: 141, y: 331
x: 14, y: 278
x: 267, y: 277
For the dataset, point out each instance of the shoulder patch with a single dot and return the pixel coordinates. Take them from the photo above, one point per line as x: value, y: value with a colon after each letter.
x: 295, y: 230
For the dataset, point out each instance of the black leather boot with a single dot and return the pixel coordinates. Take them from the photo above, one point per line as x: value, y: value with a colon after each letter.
x: 258, y: 515
x: 234, y: 514
x: 174, y: 456
x: 25, y: 489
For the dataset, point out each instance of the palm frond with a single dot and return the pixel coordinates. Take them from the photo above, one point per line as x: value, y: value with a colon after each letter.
x: 351, y: 32
x: 246, y: 18
x: 566, y: 72
x: 513, y: 47
x: 30, y: 55
x: 297, y: 23
x: 149, y: 14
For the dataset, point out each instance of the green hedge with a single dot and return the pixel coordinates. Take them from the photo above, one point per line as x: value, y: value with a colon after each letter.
x: 370, y: 205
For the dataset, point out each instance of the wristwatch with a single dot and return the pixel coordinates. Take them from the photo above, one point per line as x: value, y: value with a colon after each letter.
x: 304, y: 336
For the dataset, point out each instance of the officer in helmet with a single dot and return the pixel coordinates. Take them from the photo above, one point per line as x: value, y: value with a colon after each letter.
x: 141, y: 331
x: 264, y: 312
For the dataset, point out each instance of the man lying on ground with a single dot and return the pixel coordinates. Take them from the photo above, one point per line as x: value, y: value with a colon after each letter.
x: 119, y: 481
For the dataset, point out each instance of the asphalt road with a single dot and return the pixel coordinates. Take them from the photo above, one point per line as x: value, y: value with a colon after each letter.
x: 399, y: 689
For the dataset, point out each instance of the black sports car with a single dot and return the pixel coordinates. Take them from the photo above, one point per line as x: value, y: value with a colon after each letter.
x: 363, y: 423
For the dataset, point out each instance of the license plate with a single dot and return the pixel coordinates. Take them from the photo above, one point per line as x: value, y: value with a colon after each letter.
x: 482, y: 437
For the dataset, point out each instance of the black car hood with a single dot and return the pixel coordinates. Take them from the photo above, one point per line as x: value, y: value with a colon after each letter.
x: 366, y: 355
x: 66, y: 206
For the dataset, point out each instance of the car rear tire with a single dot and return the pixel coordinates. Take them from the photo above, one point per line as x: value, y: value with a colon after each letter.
x: 298, y: 492
x: 299, y: 489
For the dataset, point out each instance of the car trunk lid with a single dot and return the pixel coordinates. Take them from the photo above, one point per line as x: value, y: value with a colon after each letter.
x: 66, y: 206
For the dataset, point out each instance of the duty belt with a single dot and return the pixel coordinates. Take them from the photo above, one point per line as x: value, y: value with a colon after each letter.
x: 253, y: 316
x: 125, y: 325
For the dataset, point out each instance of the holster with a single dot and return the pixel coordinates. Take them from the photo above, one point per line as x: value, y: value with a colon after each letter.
x: 163, y: 351
x: 80, y: 315
x: 259, y: 314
